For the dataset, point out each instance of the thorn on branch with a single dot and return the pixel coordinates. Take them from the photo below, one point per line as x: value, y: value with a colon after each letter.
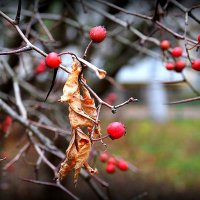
x: 17, y: 18
x: 52, y: 83
x: 156, y: 16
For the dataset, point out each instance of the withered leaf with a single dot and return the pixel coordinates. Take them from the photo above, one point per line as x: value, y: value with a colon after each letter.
x: 71, y: 94
x: 70, y: 161
x: 82, y: 113
x: 76, y: 155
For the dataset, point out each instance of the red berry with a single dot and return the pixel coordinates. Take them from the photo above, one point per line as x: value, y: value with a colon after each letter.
x: 177, y: 52
x: 111, y: 98
x: 179, y: 65
x: 97, y: 34
x: 196, y: 65
x: 103, y: 157
x: 4, y: 126
x: 123, y: 165
x: 198, y: 38
x: 170, y: 66
x: 165, y: 44
x: 53, y: 60
x: 110, y: 168
x: 112, y: 161
x: 41, y: 67
x: 116, y: 130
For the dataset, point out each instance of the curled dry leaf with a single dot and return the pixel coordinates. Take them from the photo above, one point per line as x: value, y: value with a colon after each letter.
x: 82, y: 114
x: 99, y: 72
x: 71, y: 94
x: 76, y: 155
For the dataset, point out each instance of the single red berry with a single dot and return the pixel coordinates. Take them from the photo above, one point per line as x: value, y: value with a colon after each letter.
x: 41, y: 68
x: 11, y: 168
x: 170, y: 66
x: 179, y: 65
x: 110, y: 168
x: 112, y: 161
x: 4, y: 126
x: 165, y: 44
x: 97, y: 34
x: 196, y: 65
x: 177, y: 52
x: 111, y: 98
x: 103, y: 157
x: 123, y: 165
x: 116, y: 130
x: 53, y: 60
x: 198, y: 38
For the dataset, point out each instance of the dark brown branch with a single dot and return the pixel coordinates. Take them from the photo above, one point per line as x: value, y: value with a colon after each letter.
x: 57, y: 184
x: 23, y: 49
x: 156, y: 12
x: 184, y: 9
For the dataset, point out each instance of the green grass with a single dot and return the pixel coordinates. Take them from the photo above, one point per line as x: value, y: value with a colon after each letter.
x: 164, y: 152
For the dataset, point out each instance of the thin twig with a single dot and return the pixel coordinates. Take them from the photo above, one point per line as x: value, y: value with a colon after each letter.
x: 17, y: 157
x: 57, y: 184
x: 184, y: 100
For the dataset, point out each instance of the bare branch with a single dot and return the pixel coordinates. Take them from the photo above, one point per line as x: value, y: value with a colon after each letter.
x: 17, y: 157
x: 57, y: 184
x: 184, y: 100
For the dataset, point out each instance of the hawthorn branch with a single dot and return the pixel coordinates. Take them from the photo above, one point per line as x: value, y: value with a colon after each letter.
x: 29, y: 45
x: 57, y: 184
x: 184, y: 9
x: 17, y: 157
x: 26, y: 124
x: 148, y: 18
x: 184, y: 100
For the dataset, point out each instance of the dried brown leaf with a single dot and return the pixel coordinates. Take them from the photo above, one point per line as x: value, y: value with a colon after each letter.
x: 82, y: 113
x: 99, y: 72
x: 76, y: 155
x: 71, y: 155
x: 71, y: 94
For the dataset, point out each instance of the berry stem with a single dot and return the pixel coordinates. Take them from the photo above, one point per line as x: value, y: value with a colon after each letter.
x: 100, y: 138
x: 86, y: 50
x: 69, y: 53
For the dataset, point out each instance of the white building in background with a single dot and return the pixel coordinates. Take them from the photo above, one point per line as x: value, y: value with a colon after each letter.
x: 151, y: 73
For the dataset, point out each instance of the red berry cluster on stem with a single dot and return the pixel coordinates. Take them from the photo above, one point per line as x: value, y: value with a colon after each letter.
x: 179, y: 65
x: 112, y: 162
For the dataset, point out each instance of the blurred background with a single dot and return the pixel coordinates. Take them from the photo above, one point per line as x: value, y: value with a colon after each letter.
x: 162, y: 141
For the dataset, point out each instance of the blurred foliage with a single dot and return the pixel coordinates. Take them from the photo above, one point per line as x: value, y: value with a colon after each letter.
x: 163, y: 152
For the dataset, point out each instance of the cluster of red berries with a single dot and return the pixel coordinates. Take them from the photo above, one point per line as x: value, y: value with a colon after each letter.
x: 176, y: 52
x: 116, y: 130
x: 112, y: 162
